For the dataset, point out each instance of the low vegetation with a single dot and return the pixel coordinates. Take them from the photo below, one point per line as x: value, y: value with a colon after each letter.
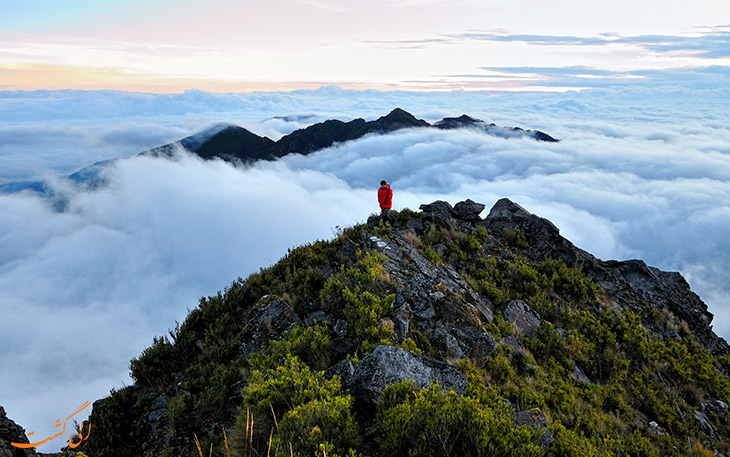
x: 606, y: 384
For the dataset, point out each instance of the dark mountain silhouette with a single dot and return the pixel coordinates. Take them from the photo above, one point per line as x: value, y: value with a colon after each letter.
x: 236, y: 144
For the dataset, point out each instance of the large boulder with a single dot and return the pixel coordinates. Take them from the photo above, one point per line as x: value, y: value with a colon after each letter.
x: 389, y: 364
x: 524, y: 318
x: 468, y: 210
x: 440, y: 212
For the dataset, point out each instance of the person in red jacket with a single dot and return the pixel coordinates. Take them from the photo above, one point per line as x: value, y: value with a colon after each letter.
x: 385, y: 199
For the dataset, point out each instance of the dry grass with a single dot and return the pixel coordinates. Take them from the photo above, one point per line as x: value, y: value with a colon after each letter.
x: 210, y: 452
x: 412, y: 239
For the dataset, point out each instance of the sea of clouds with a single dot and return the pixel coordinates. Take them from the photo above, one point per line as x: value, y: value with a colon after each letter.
x: 638, y: 173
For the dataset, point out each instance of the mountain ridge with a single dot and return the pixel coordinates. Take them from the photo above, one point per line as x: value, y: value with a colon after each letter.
x: 247, y: 147
x: 236, y: 144
x: 351, y: 345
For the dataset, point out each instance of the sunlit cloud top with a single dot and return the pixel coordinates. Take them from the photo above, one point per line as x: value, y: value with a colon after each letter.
x: 227, y: 46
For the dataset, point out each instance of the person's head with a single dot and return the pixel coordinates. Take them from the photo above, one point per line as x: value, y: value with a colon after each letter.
x: 383, y: 183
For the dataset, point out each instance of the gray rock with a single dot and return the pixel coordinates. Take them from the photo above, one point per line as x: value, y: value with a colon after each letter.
x: 477, y: 344
x: 453, y: 350
x: 349, y: 250
x: 485, y: 309
x: 343, y: 369
x: 514, y: 343
x: 340, y: 327
x: 534, y: 418
x: 524, y: 318
x: 656, y: 430
x: 415, y: 225
x: 373, y: 221
x: 389, y: 364
x: 401, y: 322
x: 579, y: 376
x: 10, y: 432
x: 269, y: 318
x: 704, y: 422
x: 318, y: 317
x: 440, y: 212
x: 468, y: 210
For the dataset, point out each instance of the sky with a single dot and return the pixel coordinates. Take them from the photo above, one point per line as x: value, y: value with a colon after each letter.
x: 636, y: 91
x: 233, y: 46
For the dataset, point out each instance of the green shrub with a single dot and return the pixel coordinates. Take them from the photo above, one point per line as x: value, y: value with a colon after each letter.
x: 431, y: 423
x: 156, y: 364
x: 309, y: 344
x: 482, y: 234
x: 320, y: 427
x: 516, y: 238
x: 306, y: 409
x: 361, y: 294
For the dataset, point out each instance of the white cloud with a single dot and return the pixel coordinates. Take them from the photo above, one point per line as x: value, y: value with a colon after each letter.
x: 637, y: 174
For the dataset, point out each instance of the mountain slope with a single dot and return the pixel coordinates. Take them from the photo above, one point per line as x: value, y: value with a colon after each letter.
x: 237, y: 144
x: 492, y: 336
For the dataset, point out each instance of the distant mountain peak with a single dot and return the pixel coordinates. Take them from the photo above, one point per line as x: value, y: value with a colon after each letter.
x: 236, y: 144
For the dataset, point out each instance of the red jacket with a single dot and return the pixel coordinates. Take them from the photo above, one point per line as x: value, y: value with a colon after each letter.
x: 385, y: 197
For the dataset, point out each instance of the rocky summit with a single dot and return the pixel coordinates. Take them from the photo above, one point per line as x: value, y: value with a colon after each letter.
x: 439, y: 332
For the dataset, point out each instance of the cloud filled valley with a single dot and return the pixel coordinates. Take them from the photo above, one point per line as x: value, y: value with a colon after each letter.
x: 85, y: 289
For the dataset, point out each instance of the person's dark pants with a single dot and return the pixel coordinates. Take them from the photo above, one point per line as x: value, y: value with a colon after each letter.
x: 385, y: 214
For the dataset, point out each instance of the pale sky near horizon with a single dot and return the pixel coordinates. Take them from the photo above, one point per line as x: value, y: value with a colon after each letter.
x: 274, y: 45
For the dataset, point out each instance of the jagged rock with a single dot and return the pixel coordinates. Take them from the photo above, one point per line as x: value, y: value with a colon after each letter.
x: 579, y: 375
x: 10, y: 432
x: 524, y: 318
x: 485, y: 307
x: 536, y: 419
x: 451, y: 344
x: 343, y: 369
x: 640, y: 287
x: 389, y: 364
x: 704, y: 422
x: 401, y: 322
x: 340, y: 327
x: 515, y: 344
x: 477, y: 344
x: 318, y: 317
x: 631, y: 284
x: 717, y: 408
x: 656, y: 429
x: 415, y: 225
x: 440, y: 212
x: 349, y: 250
x: 468, y: 210
x: 269, y: 318
x: 373, y: 221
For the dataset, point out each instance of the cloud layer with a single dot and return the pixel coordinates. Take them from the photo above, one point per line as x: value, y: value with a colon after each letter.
x: 638, y: 174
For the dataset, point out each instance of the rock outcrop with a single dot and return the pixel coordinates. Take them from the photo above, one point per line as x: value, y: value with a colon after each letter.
x: 10, y: 432
x: 631, y: 284
x: 388, y: 365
